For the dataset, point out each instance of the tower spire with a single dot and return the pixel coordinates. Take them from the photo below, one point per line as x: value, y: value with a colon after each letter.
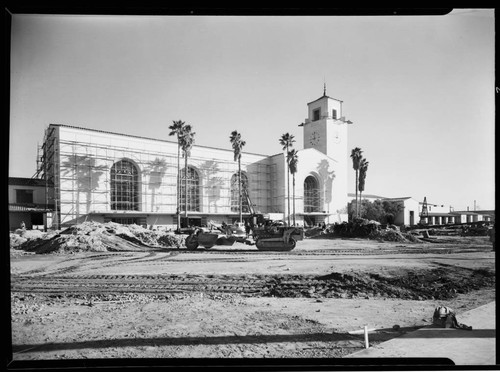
x: 324, y: 89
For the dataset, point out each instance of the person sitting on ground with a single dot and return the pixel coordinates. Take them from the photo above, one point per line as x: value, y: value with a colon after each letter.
x: 446, y: 318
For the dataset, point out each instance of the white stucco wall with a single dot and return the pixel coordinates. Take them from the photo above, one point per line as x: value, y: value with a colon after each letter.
x: 409, y: 205
x: 333, y: 192
x: 38, y: 193
x: 83, y: 191
x: 85, y: 158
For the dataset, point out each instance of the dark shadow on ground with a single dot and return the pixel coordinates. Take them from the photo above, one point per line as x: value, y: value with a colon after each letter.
x: 432, y: 332
x: 344, y: 339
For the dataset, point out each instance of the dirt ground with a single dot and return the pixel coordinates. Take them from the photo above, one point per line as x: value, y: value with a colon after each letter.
x: 313, y: 297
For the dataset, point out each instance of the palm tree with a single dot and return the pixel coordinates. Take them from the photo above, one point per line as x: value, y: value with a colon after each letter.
x: 85, y: 171
x: 356, y: 158
x: 156, y: 170
x: 287, y: 140
x: 176, y: 129
x: 237, y: 145
x: 186, y: 141
x: 363, y: 168
x: 293, y: 159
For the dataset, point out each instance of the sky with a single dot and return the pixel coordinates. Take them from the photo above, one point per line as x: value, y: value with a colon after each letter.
x: 419, y: 89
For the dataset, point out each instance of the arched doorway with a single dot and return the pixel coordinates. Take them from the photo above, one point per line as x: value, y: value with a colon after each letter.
x: 312, y: 200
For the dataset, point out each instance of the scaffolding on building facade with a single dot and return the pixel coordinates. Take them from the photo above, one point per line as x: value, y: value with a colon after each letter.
x: 80, y: 174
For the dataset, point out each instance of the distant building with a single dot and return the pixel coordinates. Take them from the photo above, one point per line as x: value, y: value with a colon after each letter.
x: 437, y: 214
x: 409, y: 214
x: 488, y: 215
x: 28, y: 203
x: 443, y: 215
x: 474, y: 216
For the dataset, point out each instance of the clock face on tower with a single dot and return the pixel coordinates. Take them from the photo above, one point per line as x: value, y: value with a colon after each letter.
x: 314, y: 138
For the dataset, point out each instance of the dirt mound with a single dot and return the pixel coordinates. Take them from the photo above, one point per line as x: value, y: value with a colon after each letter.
x: 437, y: 284
x: 362, y: 228
x: 390, y: 235
x: 94, y: 237
x: 16, y: 240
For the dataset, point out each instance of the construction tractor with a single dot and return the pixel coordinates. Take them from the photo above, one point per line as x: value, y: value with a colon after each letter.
x: 268, y: 235
x: 214, y: 235
x: 272, y: 235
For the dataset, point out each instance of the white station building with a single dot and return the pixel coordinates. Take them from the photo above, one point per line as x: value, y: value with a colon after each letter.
x: 94, y: 175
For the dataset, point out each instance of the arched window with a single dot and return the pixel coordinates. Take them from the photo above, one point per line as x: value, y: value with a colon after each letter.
x: 193, y: 190
x: 124, y: 186
x: 311, y: 195
x: 235, y: 203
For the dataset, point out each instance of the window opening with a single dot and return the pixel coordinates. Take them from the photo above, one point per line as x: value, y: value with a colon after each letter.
x: 125, y: 220
x: 124, y: 186
x: 37, y: 219
x: 193, y: 190
x: 24, y: 196
x: 316, y: 114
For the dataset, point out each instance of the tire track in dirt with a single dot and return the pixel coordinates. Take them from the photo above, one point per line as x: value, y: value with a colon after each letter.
x: 98, y: 261
x: 418, y: 285
x: 136, y: 283
x: 89, y: 263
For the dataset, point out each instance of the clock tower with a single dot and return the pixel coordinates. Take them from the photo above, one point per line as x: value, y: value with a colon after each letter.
x: 325, y: 129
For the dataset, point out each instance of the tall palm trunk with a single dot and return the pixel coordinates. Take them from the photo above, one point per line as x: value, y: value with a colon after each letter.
x: 356, y: 205
x: 287, y: 141
x: 288, y: 188
x: 186, y: 189
x: 293, y: 188
x: 363, y: 168
x: 360, y: 192
x: 178, y: 185
x: 239, y: 190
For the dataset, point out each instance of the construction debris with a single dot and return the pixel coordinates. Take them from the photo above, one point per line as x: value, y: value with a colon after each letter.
x: 94, y: 237
x: 363, y: 228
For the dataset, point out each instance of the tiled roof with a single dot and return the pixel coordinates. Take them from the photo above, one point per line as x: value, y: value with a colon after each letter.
x: 370, y: 196
x: 325, y: 97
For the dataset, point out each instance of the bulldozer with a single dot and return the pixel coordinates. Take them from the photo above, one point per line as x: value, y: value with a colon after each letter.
x: 268, y: 235
x: 272, y: 235
x: 277, y: 238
